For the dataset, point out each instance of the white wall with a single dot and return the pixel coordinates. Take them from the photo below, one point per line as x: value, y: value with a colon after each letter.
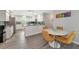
x: 74, y: 24
x: 69, y: 23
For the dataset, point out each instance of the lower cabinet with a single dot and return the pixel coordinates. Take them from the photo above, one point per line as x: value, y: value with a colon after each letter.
x: 33, y: 30
x: 19, y: 26
x: 9, y: 31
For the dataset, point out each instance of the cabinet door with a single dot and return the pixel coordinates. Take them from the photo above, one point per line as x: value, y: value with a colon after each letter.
x: 18, y: 18
x: 9, y: 32
x: 19, y: 26
x: 33, y: 30
x: 2, y: 16
x: 7, y: 17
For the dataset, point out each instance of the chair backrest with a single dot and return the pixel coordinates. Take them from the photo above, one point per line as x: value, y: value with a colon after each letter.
x: 46, y: 35
x: 71, y: 34
x: 60, y: 28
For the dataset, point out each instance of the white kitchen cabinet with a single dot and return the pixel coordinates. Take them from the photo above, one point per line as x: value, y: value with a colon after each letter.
x: 7, y: 16
x: 32, y: 30
x: 9, y: 31
x: 19, y: 26
x: 4, y: 15
x: 18, y: 18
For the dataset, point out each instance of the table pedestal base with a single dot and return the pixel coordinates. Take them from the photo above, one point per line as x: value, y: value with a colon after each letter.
x: 54, y: 44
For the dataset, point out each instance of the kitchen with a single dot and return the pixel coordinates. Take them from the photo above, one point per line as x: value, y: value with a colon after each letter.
x: 6, y: 27
x: 32, y: 22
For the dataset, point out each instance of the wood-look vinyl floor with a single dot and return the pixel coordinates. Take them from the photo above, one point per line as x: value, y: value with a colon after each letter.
x: 19, y: 41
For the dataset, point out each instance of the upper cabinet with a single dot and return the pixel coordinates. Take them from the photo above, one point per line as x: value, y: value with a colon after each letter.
x: 4, y: 15
x: 18, y: 18
x: 7, y: 16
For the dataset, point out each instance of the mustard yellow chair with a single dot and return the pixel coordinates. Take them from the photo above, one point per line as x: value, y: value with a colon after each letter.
x: 46, y: 35
x: 66, y: 39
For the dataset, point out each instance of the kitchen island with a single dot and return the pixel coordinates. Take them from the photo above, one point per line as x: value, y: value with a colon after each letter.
x: 33, y: 30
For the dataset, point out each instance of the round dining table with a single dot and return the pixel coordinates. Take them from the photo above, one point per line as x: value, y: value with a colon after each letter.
x: 56, y: 33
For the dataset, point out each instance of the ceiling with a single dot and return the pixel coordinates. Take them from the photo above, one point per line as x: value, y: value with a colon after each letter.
x: 30, y: 12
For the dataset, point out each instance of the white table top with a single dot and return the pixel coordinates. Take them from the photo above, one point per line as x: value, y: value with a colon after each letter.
x: 56, y: 32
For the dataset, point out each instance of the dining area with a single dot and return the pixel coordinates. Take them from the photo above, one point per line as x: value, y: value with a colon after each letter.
x: 58, y: 36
